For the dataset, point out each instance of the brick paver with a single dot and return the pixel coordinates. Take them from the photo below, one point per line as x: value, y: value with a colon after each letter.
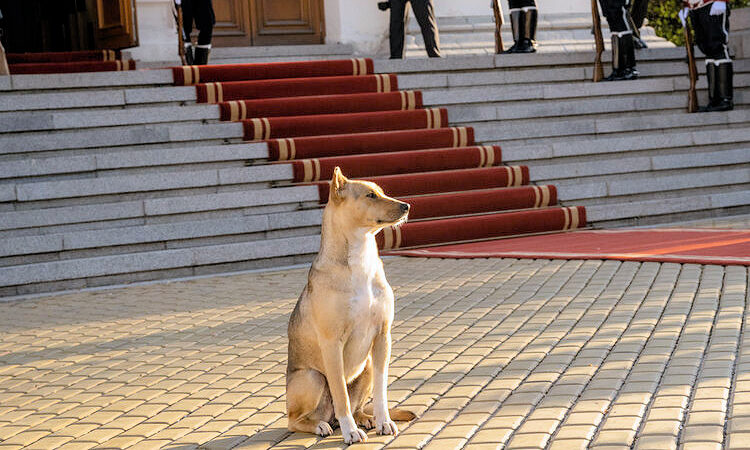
x: 490, y: 354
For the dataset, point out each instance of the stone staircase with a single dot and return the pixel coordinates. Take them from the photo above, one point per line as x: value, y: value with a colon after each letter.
x: 112, y: 178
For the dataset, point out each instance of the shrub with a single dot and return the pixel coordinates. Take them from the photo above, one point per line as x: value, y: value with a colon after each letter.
x: 662, y: 16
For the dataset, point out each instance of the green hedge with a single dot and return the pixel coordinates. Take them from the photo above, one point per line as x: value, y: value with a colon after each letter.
x: 662, y: 16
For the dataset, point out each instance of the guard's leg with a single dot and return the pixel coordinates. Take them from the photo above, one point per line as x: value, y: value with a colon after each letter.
x: 398, y: 23
x: 712, y: 36
x: 204, y: 22
x: 425, y: 14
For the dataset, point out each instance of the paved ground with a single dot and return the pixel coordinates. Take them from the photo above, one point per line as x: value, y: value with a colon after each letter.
x: 521, y: 353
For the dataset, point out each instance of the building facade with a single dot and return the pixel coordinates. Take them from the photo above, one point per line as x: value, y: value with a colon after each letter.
x: 259, y: 22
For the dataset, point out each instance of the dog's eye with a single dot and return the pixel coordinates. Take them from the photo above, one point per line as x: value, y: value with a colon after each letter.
x: 372, y: 195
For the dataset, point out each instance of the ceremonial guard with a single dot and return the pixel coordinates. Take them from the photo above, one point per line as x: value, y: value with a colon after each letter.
x: 617, y: 13
x: 523, y: 19
x: 202, y: 13
x: 710, y: 21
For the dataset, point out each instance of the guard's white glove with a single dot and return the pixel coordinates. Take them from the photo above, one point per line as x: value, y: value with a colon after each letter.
x: 683, y: 14
x: 718, y: 8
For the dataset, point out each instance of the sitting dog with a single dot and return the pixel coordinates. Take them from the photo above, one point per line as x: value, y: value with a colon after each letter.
x: 340, y: 329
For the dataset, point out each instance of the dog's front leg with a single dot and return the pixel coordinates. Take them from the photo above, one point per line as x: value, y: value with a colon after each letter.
x: 333, y: 360
x: 381, y: 355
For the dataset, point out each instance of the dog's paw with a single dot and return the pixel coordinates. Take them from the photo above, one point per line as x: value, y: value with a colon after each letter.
x: 366, y: 421
x: 323, y: 429
x: 387, y: 427
x: 355, y: 435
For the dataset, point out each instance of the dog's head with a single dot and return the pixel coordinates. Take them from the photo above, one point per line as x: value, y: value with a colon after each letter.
x: 365, y: 204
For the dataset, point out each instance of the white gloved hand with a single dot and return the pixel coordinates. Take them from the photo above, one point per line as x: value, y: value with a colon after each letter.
x: 683, y: 14
x: 718, y: 8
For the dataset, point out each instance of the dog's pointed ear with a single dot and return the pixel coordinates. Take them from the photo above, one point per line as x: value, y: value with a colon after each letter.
x: 337, y: 185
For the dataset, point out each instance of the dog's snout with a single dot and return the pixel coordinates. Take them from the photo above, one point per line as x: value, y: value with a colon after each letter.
x: 404, y: 207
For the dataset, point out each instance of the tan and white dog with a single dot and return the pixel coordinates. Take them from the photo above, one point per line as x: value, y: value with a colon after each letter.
x: 340, y: 329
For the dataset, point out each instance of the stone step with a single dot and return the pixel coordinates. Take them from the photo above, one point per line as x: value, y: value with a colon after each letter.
x: 646, y: 184
x: 171, y: 263
x: 535, y: 60
x: 621, y: 146
x: 283, y: 51
x: 152, y: 185
x: 169, y: 235
x: 169, y: 133
x: 669, y: 208
x: 546, y: 128
x: 524, y: 75
x: 553, y: 91
x: 95, y: 98
x: 105, y: 163
x: 87, y: 80
x: 688, y: 158
x: 93, y: 118
x: 25, y: 222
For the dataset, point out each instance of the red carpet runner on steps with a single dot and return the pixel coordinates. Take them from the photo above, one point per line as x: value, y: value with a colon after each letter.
x: 316, y: 115
x: 68, y: 62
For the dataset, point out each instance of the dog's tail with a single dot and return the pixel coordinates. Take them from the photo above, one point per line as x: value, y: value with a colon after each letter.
x: 397, y: 414
x: 401, y: 415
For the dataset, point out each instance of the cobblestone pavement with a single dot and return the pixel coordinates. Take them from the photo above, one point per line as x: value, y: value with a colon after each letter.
x: 494, y: 353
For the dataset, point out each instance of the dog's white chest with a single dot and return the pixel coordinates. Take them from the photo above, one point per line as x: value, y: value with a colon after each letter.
x: 365, y: 266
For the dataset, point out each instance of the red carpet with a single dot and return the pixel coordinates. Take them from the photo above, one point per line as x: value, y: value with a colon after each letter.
x: 358, y: 166
x: 414, y: 234
x: 480, y: 201
x: 292, y: 87
x: 325, y: 124
x: 445, y: 181
x: 321, y: 104
x: 187, y: 75
x: 694, y: 246
x: 58, y: 57
x: 318, y: 115
x: 71, y: 67
x: 363, y: 143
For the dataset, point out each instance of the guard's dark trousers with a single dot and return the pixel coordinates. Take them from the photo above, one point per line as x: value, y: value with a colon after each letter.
x: 425, y: 14
x: 202, y: 13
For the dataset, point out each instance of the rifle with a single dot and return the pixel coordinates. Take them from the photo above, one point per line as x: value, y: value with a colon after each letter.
x: 692, y: 95
x: 177, y: 13
x: 498, y: 12
x: 599, y: 40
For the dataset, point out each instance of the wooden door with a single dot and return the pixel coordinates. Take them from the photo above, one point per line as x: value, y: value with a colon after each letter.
x: 232, y: 27
x: 268, y: 22
x: 116, y: 24
x: 280, y: 22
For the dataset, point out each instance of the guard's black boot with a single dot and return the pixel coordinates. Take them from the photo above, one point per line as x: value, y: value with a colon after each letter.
x: 200, y: 57
x: 529, y: 31
x: 628, y: 42
x: 517, y: 23
x: 623, y: 58
x: 720, y: 87
x: 189, y: 60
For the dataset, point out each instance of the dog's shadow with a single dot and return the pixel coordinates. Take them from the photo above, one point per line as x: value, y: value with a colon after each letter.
x: 271, y: 437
